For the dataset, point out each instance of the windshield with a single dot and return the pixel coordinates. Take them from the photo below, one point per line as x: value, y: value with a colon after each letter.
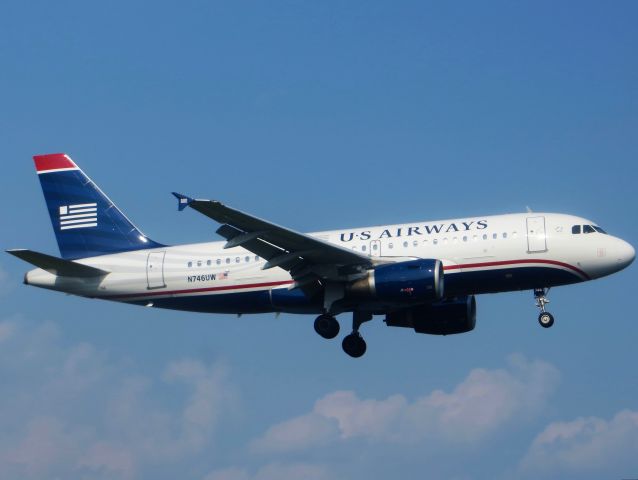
x: 576, y: 229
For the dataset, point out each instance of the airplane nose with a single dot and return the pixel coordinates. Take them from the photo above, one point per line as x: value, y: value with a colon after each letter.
x: 625, y: 253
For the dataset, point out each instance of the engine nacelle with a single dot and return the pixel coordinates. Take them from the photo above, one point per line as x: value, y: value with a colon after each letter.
x: 411, y: 281
x: 457, y: 315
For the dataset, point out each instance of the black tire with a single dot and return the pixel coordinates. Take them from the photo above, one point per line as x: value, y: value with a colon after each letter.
x: 546, y: 319
x: 354, y: 345
x: 327, y: 326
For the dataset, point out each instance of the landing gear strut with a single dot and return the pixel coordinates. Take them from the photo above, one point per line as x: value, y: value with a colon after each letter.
x: 545, y: 318
x: 327, y: 326
x: 354, y: 344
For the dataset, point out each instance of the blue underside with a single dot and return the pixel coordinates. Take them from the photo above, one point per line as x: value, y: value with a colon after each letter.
x: 294, y: 301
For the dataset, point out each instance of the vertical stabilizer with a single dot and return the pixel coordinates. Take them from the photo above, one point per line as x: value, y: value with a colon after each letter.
x: 85, y: 221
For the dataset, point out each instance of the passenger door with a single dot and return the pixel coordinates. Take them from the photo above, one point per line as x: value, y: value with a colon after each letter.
x: 536, y: 235
x: 155, y: 270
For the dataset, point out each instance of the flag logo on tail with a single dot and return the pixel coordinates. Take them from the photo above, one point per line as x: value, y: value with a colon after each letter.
x: 78, y: 216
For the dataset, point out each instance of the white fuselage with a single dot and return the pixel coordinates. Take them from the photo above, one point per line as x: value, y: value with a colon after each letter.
x: 479, y: 255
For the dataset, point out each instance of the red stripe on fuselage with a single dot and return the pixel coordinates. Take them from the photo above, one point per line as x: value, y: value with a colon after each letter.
x: 288, y: 282
x: 517, y: 262
x: 199, y: 290
x: 52, y: 161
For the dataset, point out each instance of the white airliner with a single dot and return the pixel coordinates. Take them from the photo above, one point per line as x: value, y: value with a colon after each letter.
x: 421, y: 275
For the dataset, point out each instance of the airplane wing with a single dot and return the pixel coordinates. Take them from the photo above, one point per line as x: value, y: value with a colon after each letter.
x: 307, y: 258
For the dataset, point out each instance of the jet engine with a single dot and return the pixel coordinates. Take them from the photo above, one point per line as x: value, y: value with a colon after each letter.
x: 457, y: 315
x: 411, y: 281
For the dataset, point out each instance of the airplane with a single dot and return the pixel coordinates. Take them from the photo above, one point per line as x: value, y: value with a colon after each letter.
x: 422, y: 275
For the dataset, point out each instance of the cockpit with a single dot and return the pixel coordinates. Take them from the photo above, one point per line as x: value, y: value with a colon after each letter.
x: 577, y: 229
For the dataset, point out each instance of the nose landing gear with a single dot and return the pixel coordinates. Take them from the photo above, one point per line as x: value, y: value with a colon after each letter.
x: 545, y: 318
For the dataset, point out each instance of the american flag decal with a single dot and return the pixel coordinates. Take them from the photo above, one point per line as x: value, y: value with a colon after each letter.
x: 78, y: 216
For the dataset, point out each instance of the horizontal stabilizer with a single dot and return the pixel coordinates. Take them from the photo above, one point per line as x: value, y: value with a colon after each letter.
x: 55, y: 265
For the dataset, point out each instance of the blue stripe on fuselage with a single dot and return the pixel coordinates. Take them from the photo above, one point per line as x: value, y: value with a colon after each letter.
x: 295, y: 301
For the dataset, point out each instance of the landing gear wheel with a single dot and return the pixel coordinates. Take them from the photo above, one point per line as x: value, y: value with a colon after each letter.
x: 327, y: 326
x: 546, y: 319
x: 354, y: 345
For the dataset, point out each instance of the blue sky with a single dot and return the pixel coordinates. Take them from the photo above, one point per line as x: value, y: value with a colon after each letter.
x: 320, y: 115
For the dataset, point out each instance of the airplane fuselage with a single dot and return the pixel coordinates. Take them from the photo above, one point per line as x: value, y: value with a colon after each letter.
x: 479, y: 255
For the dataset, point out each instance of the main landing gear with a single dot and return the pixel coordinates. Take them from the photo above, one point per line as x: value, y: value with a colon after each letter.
x: 545, y: 318
x: 353, y: 344
x: 327, y: 326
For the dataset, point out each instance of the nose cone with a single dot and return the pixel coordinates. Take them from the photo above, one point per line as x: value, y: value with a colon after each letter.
x: 625, y: 253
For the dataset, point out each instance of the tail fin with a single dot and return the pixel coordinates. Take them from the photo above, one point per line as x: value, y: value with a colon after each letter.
x: 85, y: 221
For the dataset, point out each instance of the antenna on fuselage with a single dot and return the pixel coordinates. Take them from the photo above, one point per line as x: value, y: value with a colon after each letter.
x: 529, y: 210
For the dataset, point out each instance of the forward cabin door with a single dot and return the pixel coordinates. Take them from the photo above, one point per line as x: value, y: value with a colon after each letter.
x: 536, y: 235
x: 155, y: 270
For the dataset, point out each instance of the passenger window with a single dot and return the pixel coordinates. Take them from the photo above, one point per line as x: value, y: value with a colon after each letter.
x: 190, y: 264
x: 465, y: 238
x: 435, y: 241
x: 256, y: 258
x: 588, y: 229
x: 405, y: 244
x: 576, y: 229
x: 390, y: 245
x: 209, y: 262
x: 237, y: 260
x: 218, y: 261
x: 363, y: 248
x: 415, y: 243
x: 227, y: 259
x: 199, y: 263
x: 495, y: 236
x: 485, y: 236
x: 375, y: 246
x: 504, y: 234
x: 247, y: 259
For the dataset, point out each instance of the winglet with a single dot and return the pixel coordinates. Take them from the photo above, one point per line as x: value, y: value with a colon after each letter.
x: 182, y: 201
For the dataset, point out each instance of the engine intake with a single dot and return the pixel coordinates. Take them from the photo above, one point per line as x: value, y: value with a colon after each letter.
x: 457, y: 315
x: 411, y: 281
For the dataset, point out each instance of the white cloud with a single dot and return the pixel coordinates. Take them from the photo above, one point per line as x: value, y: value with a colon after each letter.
x: 299, y: 433
x: 483, y: 402
x: 586, y: 445
x: 72, y: 411
x: 274, y: 471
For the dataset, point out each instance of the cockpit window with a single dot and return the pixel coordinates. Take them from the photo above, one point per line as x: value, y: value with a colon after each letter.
x: 599, y: 230
x: 576, y: 229
x: 588, y: 229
